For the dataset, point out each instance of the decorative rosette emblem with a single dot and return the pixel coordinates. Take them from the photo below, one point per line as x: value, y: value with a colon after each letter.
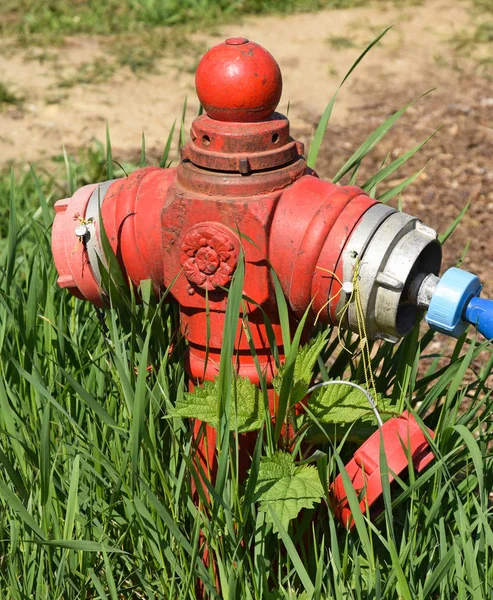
x: 209, y: 254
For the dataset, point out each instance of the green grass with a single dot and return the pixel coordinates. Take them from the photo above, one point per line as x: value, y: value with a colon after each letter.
x: 482, y: 34
x: 340, y: 42
x: 96, y: 466
x: 9, y: 97
x: 113, y: 16
x: 483, y: 5
x: 476, y: 42
x: 136, y: 33
x: 98, y: 71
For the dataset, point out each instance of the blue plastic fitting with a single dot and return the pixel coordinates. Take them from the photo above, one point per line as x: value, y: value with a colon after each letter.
x: 479, y: 312
x: 447, y: 310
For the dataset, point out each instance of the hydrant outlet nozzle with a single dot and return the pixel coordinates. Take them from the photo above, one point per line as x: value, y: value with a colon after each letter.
x: 386, y: 252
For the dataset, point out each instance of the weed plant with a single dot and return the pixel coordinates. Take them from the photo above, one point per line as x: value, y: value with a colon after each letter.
x: 97, y: 464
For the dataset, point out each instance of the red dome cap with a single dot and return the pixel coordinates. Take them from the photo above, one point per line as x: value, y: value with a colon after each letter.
x: 238, y: 81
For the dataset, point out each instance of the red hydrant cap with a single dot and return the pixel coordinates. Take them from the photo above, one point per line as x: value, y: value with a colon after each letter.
x: 238, y: 81
x: 402, y: 436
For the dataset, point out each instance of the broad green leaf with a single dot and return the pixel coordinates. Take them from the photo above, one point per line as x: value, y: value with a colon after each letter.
x: 344, y: 404
x: 246, y: 412
x: 303, y: 369
x: 307, y: 357
x: 286, y: 488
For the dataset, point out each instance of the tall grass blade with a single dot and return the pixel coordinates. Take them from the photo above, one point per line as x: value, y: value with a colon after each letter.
x: 324, y: 121
x: 164, y: 162
x: 372, y: 140
x: 72, y: 500
x: 12, y: 245
x: 400, y: 187
x: 139, y: 407
x: 475, y: 454
x: 389, y: 169
x: 110, y: 580
x: 71, y: 183
x: 45, y: 456
x: 109, y: 155
x: 45, y: 211
x: 13, y: 503
x: 293, y: 555
x: 287, y: 380
x: 225, y: 380
x: 356, y: 513
x: 453, y: 226
x: 143, y: 159
x: 182, y: 139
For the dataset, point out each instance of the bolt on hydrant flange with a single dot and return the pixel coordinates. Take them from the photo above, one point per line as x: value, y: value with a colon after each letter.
x: 242, y: 186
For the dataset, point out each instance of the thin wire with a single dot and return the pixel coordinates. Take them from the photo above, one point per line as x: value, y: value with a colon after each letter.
x: 334, y: 276
x: 365, y: 349
x: 343, y: 309
x: 354, y: 385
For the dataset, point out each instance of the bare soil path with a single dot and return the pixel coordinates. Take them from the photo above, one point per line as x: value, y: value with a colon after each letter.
x: 314, y: 51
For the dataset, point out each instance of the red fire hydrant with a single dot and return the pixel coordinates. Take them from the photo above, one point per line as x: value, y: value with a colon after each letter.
x: 243, y: 185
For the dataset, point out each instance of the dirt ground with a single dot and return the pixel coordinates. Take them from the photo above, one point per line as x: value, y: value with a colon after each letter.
x: 314, y: 51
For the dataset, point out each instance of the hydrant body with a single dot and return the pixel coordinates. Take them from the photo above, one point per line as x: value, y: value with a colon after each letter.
x: 187, y: 228
x: 242, y: 191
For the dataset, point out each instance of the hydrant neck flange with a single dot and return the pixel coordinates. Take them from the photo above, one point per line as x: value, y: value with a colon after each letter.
x: 241, y: 147
x: 223, y: 186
